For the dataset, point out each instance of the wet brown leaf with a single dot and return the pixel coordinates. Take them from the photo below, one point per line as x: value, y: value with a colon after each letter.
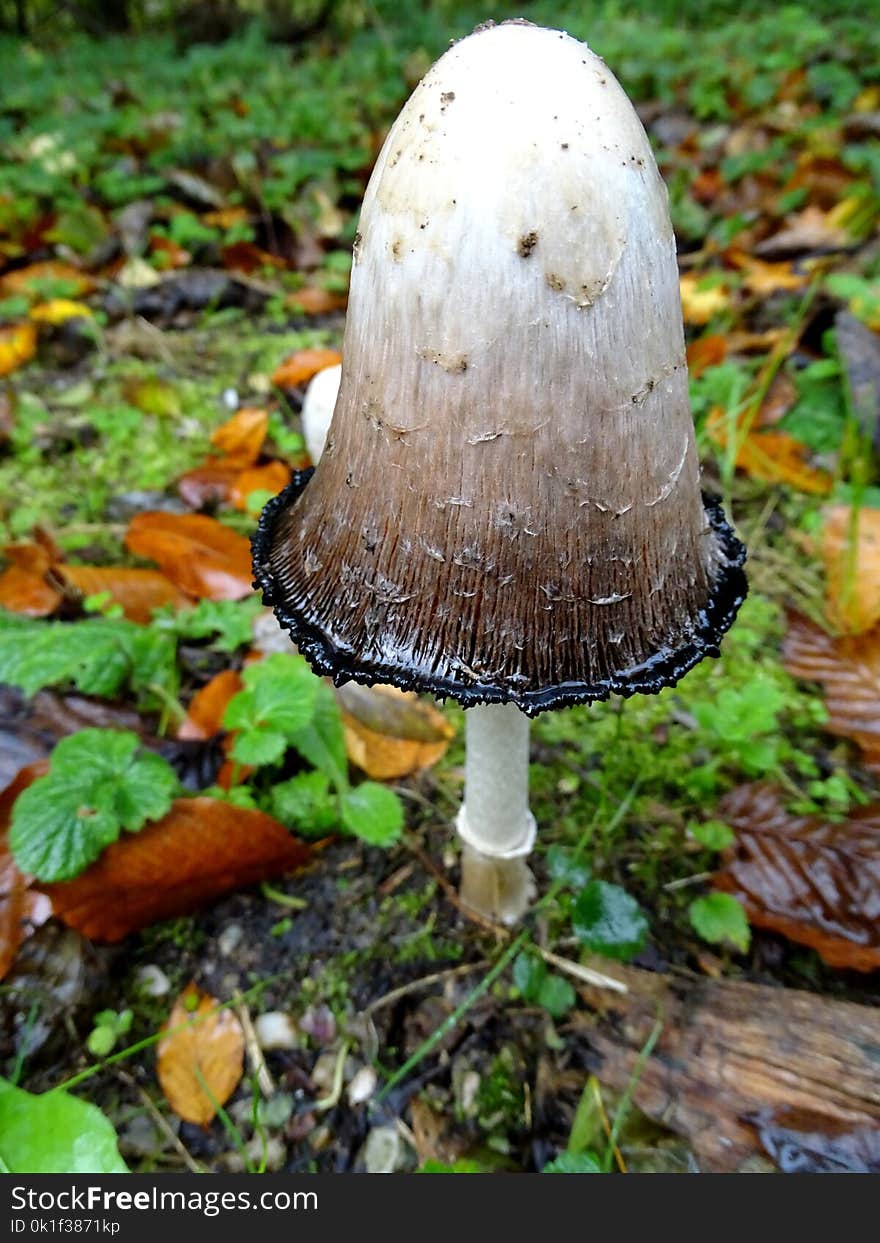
x: 302, y: 365
x: 198, y: 554
x: 240, y: 438
x: 246, y: 257
x: 22, y: 909
x: 851, y: 553
x: 391, y: 733
x: 814, y: 881
x: 201, y: 1056
x: 849, y: 669
x: 802, y: 1141
x: 202, y: 848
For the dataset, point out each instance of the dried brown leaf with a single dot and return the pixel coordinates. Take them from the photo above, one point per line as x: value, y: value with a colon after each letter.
x: 814, y: 881
x: 22, y: 909
x: 204, y: 717
x: 202, y: 848
x: 201, y: 1056
x: 272, y: 477
x: 848, y: 668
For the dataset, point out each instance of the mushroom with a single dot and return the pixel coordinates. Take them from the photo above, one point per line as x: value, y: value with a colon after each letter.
x: 317, y: 409
x: 508, y: 508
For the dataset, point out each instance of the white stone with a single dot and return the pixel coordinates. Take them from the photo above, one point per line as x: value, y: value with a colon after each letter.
x: 276, y: 1030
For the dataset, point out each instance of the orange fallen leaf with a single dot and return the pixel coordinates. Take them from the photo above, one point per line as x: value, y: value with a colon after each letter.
x: 851, y: 554
x: 22, y: 909
x: 272, y: 477
x: 241, y: 438
x: 18, y: 344
x: 200, y: 1059
x: 138, y: 592
x: 779, y: 399
x: 708, y: 351
x: 391, y: 733
x: 204, y: 717
x: 848, y: 668
x: 773, y: 456
x: 29, y: 281
x: 302, y: 365
x: 200, y: 555
x: 202, y: 848
x: 814, y: 881
x: 24, y: 587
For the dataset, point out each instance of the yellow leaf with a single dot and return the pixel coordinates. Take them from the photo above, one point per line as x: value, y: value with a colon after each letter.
x: 773, y: 456
x: 58, y: 310
x: 18, y: 344
x: 699, y: 301
x: 391, y: 733
x: 201, y: 1056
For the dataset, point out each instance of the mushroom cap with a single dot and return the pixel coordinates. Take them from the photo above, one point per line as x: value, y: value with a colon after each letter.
x: 508, y: 506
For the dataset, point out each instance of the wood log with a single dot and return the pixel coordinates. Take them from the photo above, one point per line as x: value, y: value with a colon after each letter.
x: 729, y: 1051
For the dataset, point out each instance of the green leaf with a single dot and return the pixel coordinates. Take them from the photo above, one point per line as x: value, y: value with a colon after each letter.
x: 538, y: 985
x: 259, y: 746
x: 55, y: 1133
x: 322, y: 742
x: 373, y: 813
x: 228, y: 623
x: 277, y: 703
x: 573, y: 1163
x: 719, y: 918
x: 573, y: 873
x: 98, y: 783
x: 556, y: 995
x: 306, y: 803
x: 713, y: 834
x: 609, y: 921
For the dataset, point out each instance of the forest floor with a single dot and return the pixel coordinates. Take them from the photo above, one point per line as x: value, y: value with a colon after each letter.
x: 174, y: 251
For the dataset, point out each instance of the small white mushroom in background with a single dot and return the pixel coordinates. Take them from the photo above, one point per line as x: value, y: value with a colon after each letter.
x: 508, y: 510
x: 317, y: 409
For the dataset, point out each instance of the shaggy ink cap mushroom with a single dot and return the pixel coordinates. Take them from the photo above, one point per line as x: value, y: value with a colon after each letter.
x: 508, y: 507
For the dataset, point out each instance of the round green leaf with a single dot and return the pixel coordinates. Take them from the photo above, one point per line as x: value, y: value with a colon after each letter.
x: 719, y: 918
x: 373, y: 813
x: 609, y: 921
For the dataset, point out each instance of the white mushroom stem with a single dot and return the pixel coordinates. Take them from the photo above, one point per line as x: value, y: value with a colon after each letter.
x: 496, y: 828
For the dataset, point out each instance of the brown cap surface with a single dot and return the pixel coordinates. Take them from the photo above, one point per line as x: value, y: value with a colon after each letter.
x: 508, y: 507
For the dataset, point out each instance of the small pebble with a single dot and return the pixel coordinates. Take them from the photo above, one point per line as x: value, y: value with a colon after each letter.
x: 362, y: 1086
x: 319, y: 1023
x: 324, y: 1071
x: 272, y: 1152
x: 385, y: 1152
x: 229, y: 939
x: 230, y: 399
x: 152, y: 980
x: 276, y: 1030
